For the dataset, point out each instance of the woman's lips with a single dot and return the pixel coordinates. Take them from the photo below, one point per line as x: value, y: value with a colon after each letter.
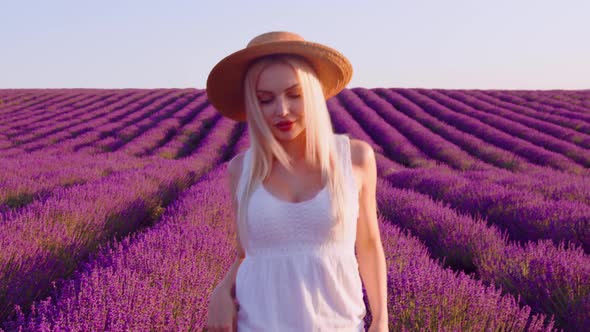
x: 285, y: 126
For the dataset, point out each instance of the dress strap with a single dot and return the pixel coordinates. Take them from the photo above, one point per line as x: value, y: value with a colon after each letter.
x: 347, y: 158
x: 245, y: 168
x: 353, y: 190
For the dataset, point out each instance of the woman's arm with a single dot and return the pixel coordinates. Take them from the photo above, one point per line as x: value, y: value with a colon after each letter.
x: 370, y: 255
x: 228, y: 283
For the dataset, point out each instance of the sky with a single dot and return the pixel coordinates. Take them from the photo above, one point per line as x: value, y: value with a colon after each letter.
x: 450, y: 44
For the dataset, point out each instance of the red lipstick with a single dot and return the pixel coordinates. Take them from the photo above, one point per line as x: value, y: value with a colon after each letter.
x: 284, y: 125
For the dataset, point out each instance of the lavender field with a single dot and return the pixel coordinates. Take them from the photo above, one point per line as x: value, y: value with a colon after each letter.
x: 115, y: 213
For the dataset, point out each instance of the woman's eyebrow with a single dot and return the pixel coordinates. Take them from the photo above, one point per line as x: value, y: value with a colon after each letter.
x: 292, y: 86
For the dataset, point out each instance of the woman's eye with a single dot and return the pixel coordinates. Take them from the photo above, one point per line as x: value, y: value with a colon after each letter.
x: 267, y: 101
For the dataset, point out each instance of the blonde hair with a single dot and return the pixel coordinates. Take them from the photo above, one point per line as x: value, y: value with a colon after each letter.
x: 263, y: 145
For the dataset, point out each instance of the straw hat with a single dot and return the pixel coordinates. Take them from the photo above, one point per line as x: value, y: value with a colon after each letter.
x: 225, y: 84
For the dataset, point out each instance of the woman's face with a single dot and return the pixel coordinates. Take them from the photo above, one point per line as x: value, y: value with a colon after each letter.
x: 280, y: 98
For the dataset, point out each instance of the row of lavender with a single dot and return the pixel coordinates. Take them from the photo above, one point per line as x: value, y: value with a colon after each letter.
x: 107, y: 126
x: 483, y: 192
x: 537, y: 205
x: 92, y: 125
x: 433, y: 128
x: 32, y: 177
x: 161, y: 279
x: 15, y: 193
x: 576, y: 100
x: 47, y: 239
x: 522, y: 212
x: 481, y: 134
x: 553, y: 184
x: 552, y: 279
x: 485, y: 132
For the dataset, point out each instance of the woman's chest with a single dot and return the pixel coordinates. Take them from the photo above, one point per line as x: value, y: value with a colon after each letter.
x: 302, y: 184
x: 304, y: 181
x: 299, y: 185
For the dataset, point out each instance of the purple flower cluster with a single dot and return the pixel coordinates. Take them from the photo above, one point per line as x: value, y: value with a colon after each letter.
x: 158, y: 279
x: 522, y: 126
x: 525, y: 215
x: 435, y: 146
x: 420, y: 107
x: 396, y: 146
x: 465, y: 118
x: 542, y: 117
x: 469, y: 244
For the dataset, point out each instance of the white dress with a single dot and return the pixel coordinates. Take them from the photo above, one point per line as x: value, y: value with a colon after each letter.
x: 293, y: 278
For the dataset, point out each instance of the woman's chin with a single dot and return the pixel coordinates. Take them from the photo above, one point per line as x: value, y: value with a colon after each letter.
x: 286, y: 135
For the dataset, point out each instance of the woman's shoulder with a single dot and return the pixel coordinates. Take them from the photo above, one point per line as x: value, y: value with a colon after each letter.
x: 234, y: 166
x: 361, y: 152
x: 363, y: 161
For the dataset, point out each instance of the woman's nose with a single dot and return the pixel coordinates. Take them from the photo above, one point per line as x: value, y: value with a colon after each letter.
x: 283, y: 106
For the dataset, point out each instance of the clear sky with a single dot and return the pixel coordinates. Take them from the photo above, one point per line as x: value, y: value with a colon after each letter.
x: 499, y: 44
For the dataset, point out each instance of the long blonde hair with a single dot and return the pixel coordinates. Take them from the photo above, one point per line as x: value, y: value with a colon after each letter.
x: 320, y: 147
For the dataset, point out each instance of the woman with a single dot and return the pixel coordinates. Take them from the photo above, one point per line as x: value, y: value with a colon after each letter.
x: 304, y: 196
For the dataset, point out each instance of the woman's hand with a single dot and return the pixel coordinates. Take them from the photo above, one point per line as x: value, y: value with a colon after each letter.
x: 222, y: 311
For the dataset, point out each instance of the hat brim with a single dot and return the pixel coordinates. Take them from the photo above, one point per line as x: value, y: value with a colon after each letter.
x: 225, y: 82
